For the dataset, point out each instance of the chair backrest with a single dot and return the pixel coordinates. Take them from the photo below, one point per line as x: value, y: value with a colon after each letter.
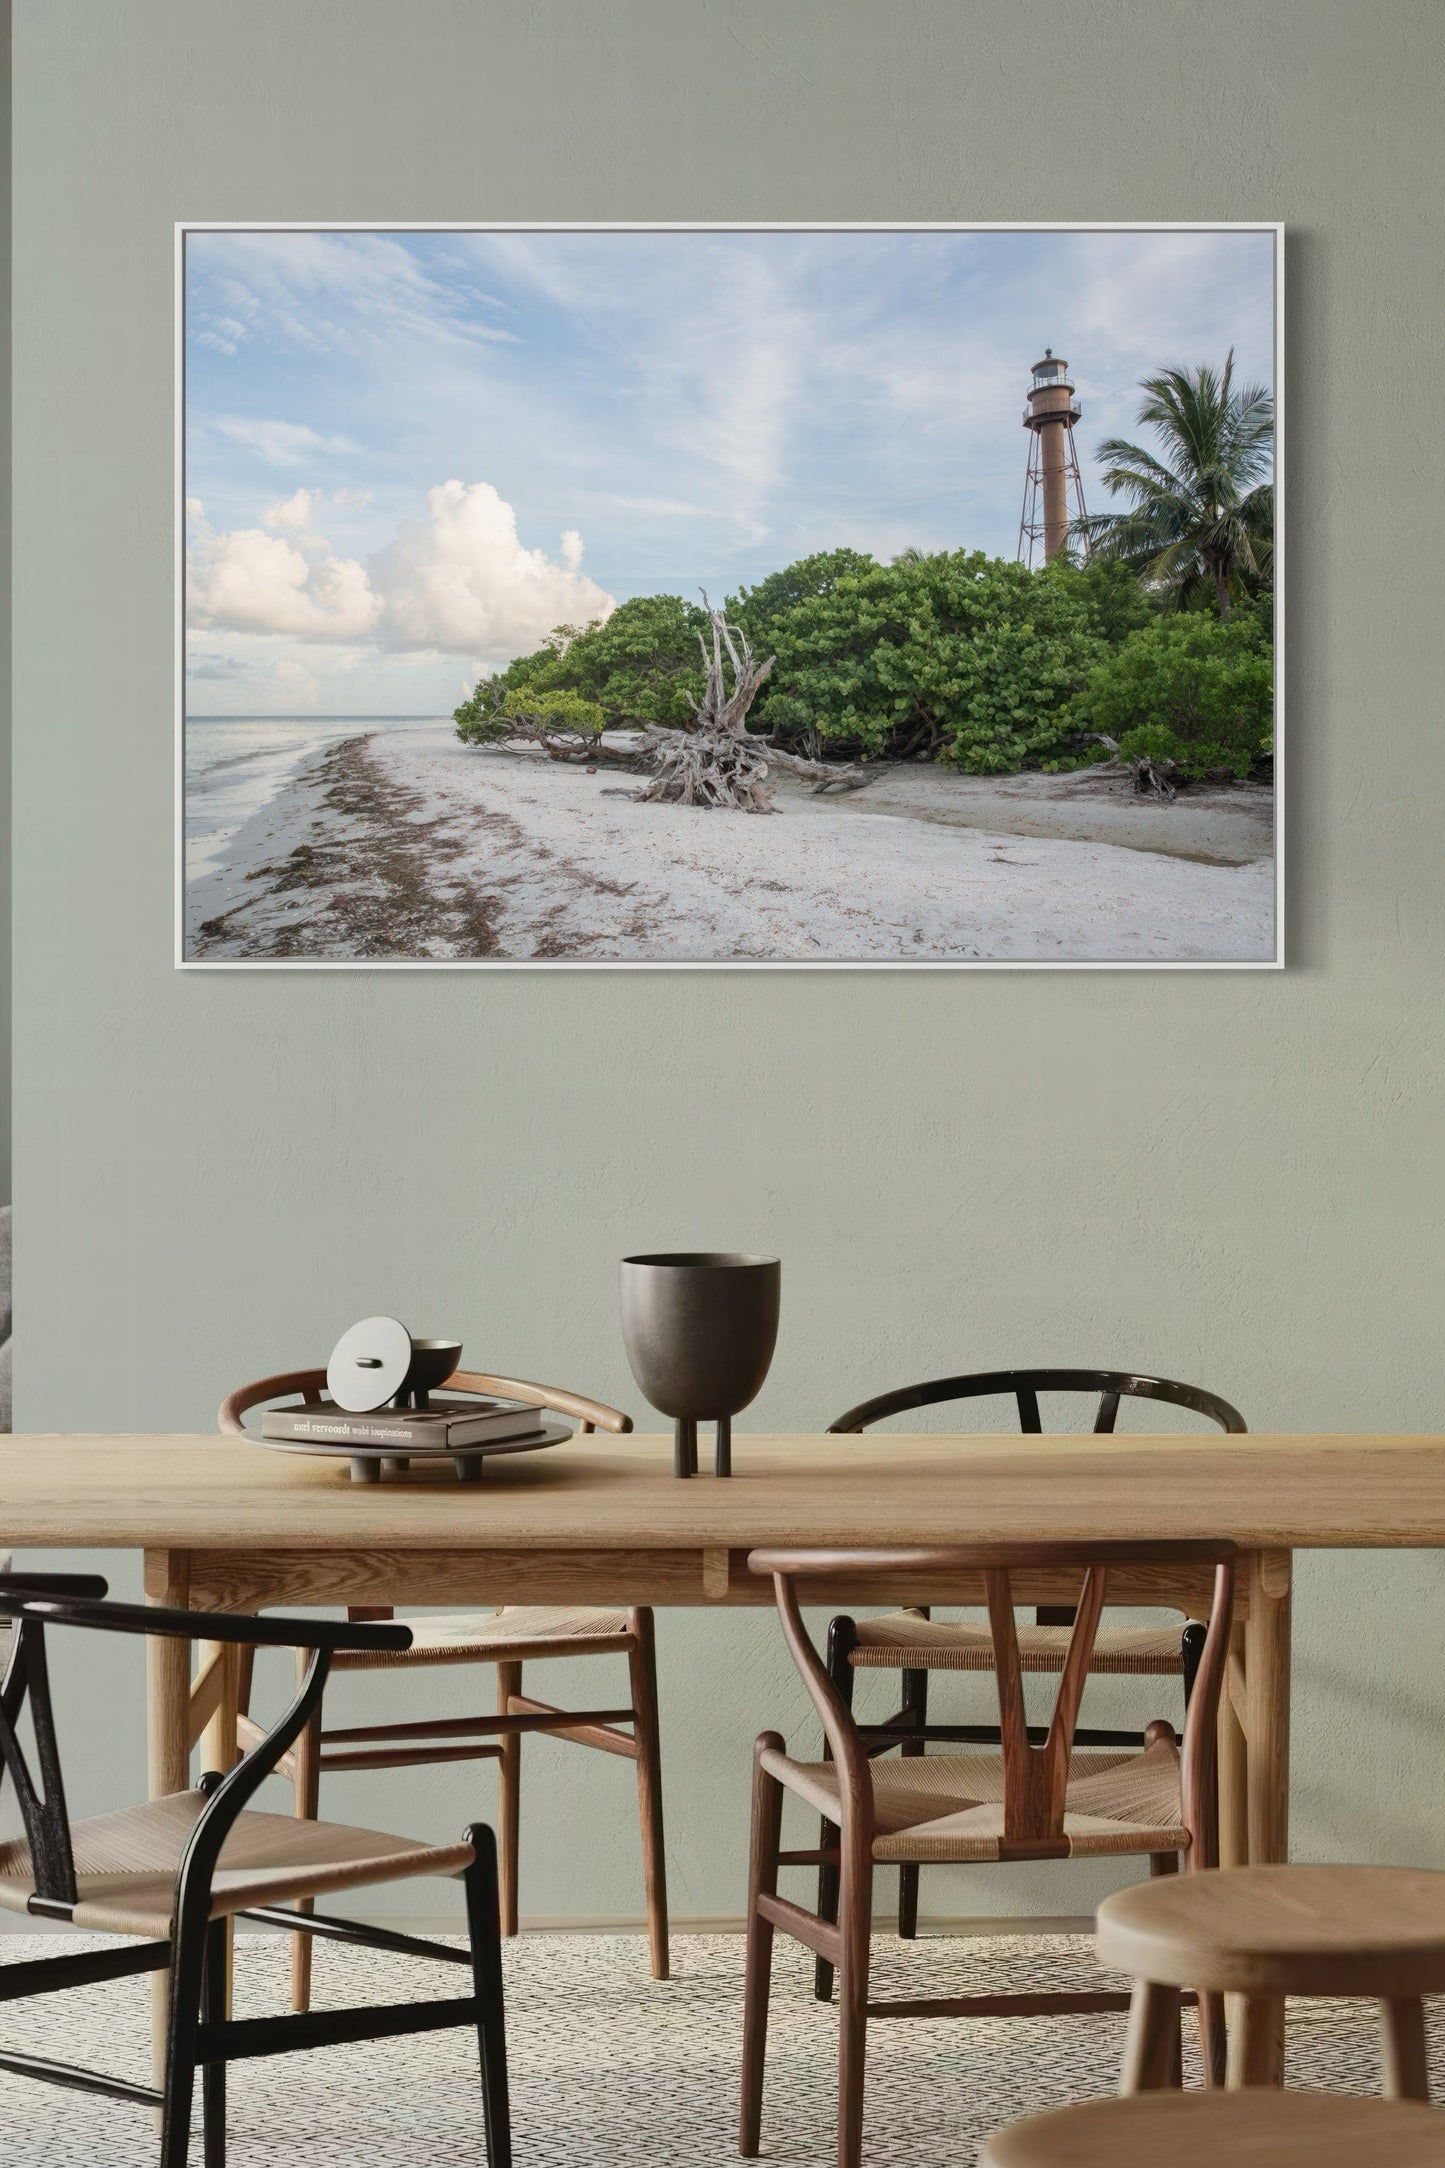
x: 1035, y: 1778
x: 1112, y: 1386
x: 311, y: 1384
x: 39, y: 1792
x: 34, y: 1601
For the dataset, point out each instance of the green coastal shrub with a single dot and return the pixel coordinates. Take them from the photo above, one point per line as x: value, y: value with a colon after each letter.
x: 957, y: 655
x: 954, y: 656
x: 638, y: 665
x: 490, y: 714
x: 556, y: 710
x: 1187, y: 689
x: 479, y: 719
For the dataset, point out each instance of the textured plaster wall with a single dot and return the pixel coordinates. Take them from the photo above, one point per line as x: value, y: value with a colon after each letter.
x: 5, y: 616
x: 1235, y: 1179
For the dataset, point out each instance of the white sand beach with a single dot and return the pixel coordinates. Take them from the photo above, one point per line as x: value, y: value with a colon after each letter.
x: 410, y: 845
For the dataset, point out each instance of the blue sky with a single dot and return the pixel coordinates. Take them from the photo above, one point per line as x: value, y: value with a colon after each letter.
x: 409, y: 454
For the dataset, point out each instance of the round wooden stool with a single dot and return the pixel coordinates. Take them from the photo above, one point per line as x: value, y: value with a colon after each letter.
x: 1206, y: 2130
x: 1267, y: 1932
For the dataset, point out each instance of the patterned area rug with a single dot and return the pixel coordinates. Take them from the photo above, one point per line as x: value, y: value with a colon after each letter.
x: 611, y: 2069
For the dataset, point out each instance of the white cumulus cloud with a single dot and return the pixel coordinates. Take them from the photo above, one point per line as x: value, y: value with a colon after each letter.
x: 294, y: 515
x: 251, y: 581
x: 461, y: 580
x: 300, y: 513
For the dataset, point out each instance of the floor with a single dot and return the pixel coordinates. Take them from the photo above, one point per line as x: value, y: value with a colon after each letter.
x: 610, y: 2067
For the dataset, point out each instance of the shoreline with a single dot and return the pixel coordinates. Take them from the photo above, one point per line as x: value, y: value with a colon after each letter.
x: 418, y: 848
x: 350, y: 872
x: 1210, y: 824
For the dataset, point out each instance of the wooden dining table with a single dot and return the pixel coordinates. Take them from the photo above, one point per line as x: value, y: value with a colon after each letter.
x: 228, y: 1525
x: 225, y: 1525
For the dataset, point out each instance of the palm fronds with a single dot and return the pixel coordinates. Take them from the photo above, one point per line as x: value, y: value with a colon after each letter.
x: 1198, y: 516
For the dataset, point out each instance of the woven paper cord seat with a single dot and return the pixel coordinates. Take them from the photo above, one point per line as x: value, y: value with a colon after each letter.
x: 461, y: 1637
x: 944, y: 1807
x: 125, y: 1863
x: 903, y: 1640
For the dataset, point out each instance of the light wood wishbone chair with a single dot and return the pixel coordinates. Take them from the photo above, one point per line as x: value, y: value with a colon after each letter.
x: 505, y: 1638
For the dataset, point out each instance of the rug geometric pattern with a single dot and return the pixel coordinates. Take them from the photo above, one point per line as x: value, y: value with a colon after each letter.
x: 611, y: 2069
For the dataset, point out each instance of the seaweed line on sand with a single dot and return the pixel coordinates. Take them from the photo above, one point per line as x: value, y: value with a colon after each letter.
x: 372, y: 881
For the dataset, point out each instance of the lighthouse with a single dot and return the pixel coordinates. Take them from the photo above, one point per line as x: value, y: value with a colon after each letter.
x: 1053, y: 464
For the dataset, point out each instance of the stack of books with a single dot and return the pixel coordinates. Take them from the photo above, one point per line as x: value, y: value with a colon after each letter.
x: 444, y: 1426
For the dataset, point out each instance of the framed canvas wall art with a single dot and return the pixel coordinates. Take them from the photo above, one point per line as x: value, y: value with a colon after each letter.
x: 712, y: 596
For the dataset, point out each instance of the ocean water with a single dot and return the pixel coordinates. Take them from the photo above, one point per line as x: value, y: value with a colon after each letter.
x: 235, y: 764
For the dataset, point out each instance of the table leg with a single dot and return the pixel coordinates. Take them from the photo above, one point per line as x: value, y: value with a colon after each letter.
x: 168, y: 1678
x: 1267, y: 1670
x: 218, y: 1741
x: 168, y: 1734
x: 220, y: 1750
x: 1267, y: 1678
x: 1233, y: 1760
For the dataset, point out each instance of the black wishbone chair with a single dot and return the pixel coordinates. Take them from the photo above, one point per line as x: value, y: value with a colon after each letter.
x: 914, y: 1643
x: 174, y: 1871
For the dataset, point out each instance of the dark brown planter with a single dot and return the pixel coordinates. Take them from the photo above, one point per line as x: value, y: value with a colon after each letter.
x: 699, y: 1327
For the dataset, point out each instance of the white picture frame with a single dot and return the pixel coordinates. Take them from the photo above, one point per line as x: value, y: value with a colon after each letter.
x: 186, y: 956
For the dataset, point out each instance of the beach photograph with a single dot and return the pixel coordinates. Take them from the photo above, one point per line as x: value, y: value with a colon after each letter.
x: 856, y: 596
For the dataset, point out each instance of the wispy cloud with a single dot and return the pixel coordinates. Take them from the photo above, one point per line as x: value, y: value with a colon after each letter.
x: 284, y: 444
x: 342, y: 292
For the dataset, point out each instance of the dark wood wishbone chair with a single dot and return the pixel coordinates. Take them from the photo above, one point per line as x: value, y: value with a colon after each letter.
x: 915, y: 1644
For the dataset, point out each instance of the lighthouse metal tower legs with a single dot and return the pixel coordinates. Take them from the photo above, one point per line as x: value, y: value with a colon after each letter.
x: 1053, y: 469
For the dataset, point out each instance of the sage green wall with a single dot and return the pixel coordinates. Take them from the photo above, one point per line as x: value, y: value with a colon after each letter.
x: 5, y: 605
x: 1235, y: 1179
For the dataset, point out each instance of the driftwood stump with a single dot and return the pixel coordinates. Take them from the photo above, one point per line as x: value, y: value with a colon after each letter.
x: 1152, y: 778
x: 712, y: 761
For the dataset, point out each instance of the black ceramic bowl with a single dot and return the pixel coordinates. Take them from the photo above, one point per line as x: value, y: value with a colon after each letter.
x: 432, y: 1363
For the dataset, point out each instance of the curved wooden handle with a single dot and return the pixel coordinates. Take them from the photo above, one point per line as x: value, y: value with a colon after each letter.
x: 591, y: 1414
x: 306, y: 1382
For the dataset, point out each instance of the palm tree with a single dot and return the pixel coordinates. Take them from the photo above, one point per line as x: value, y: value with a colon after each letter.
x: 1200, y: 516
